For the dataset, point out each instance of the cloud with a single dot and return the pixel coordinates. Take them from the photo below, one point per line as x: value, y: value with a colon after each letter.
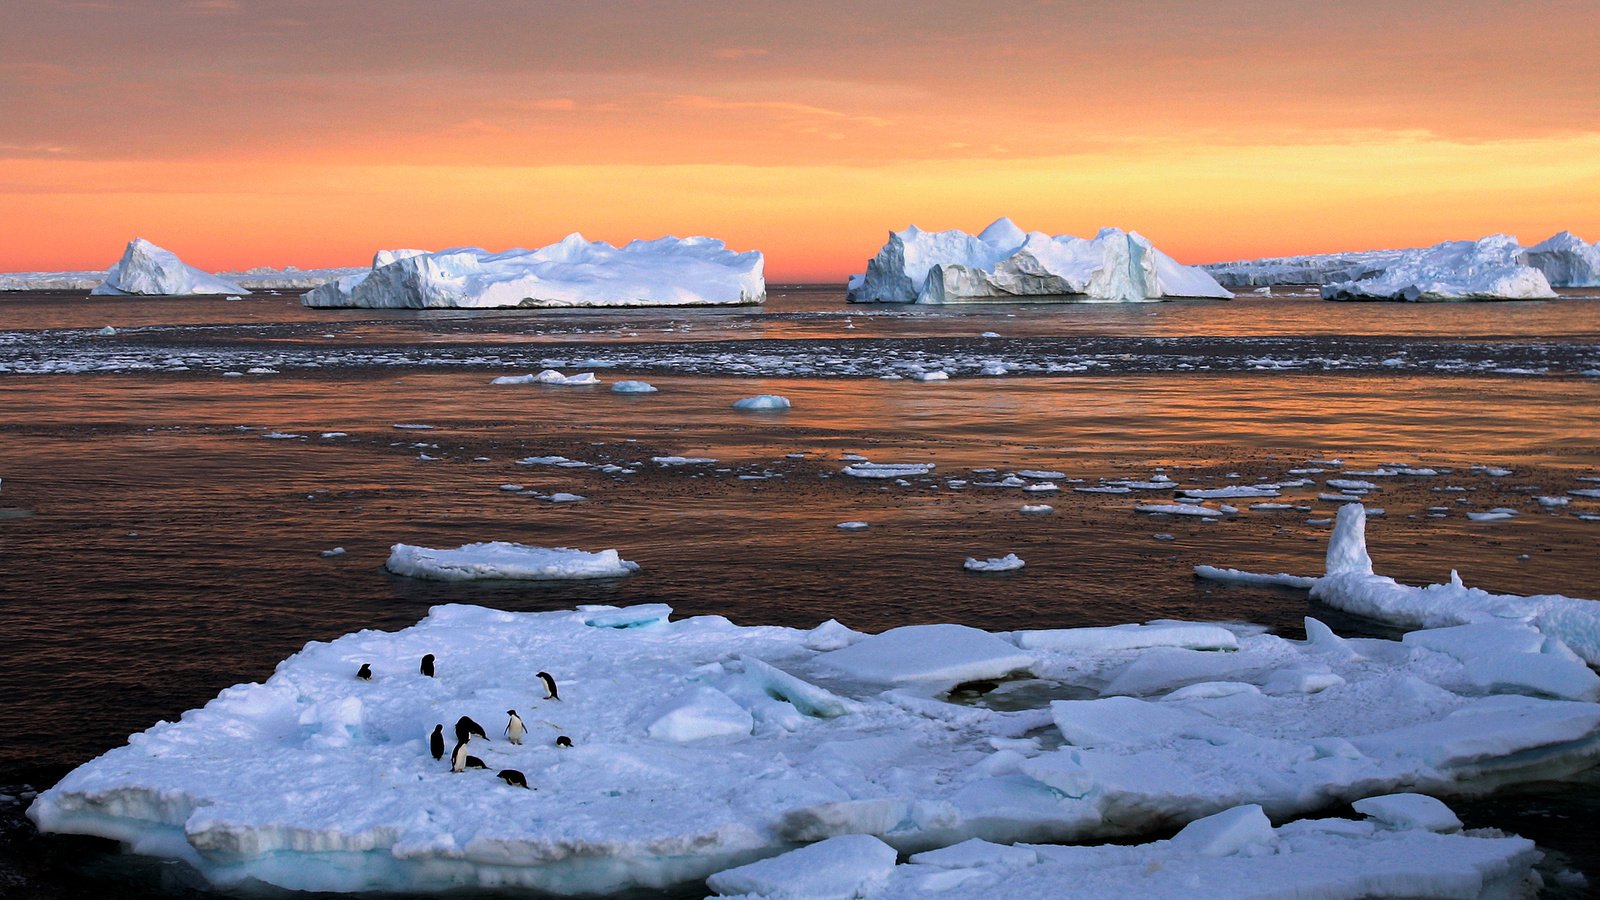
x: 783, y: 107
x: 738, y: 52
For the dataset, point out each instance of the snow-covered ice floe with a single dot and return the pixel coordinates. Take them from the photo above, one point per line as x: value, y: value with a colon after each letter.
x: 507, y: 560
x: 150, y: 270
x: 699, y: 746
x: 886, y: 470
x: 1235, y: 853
x: 1490, y: 268
x: 762, y: 402
x: 549, y: 376
x: 1008, y: 563
x: 633, y: 387
x: 1561, y: 633
x: 1003, y: 263
x: 669, y: 271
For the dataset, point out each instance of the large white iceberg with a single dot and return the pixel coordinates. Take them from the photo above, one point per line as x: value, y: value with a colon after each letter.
x: 696, y: 271
x: 1566, y: 260
x: 1490, y: 268
x: 148, y: 269
x: 1003, y: 263
x: 699, y: 746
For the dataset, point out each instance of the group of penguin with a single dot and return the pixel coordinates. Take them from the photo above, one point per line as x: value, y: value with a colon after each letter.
x: 460, y: 759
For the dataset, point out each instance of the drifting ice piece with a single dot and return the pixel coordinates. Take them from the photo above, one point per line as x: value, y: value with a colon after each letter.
x: 669, y: 271
x: 148, y: 269
x: 1490, y: 268
x: 504, y: 559
x: 1006, y: 264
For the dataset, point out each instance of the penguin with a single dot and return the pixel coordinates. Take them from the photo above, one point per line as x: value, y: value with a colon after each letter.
x: 427, y: 665
x: 512, y: 777
x: 459, y: 758
x: 563, y: 741
x: 514, y: 728
x: 475, y: 763
x: 436, y: 742
x: 549, y: 686
x: 365, y: 672
x: 466, y: 728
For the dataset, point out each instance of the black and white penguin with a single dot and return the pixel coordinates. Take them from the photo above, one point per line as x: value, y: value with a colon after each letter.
x: 466, y: 728
x: 365, y: 672
x: 459, y: 757
x: 427, y: 665
x: 514, y: 728
x: 436, y: 742
x: 563, y: 741
x: 475, y: 763
x: 549, y: 686
x: 512, y: 777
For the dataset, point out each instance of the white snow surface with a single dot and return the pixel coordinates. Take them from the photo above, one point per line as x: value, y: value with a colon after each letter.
x: 1003, y: 263
x: 669, y: 271
x: 150, y: 270
x: 316, y: 780
x: 506, y: 560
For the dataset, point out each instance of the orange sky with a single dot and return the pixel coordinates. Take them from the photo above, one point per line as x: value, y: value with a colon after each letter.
x: 247, y: 132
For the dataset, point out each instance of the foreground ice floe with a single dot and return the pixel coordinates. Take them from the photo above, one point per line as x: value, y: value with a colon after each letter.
x: 669, y: 271
x: 148, y: 269
x: 1235, y: 853
x: 1005, y: 263
x: 700, y: 745
x: 507, y: 560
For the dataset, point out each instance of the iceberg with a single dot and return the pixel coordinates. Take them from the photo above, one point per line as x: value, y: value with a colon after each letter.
x: 507, y: 560
x: 1003, y: 263
x: 149, y: 270
x: 1490, y: 268
x: 699, y: 746
x: 669, y: 271
x: 1566, y: 260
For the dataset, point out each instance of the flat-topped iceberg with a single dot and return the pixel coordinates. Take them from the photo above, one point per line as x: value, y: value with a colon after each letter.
x: 150, y: 270
x: 1490, y: 268
x: 507, y: 560
x: 670, y: 271
x: 698, y: 746
x: 1003, y: 263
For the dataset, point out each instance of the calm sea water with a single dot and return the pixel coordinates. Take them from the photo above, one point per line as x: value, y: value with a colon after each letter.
x: 156, y: 546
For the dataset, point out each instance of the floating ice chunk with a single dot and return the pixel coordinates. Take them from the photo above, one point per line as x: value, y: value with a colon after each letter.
x: 843, y: 867
x: 994, y: 369
x: 503, y: 559
x: 931, y: 376
x: 1212, y: 573
x: 633, y: 387
x: 1227, y: 832
x: 1042, y: 474
x: 886, y: 470
x: 1259, y: 490
x: 1179, y: 509
x: 336, y: 551
x: 1351, y: 484
x: 762, y: 402
x: 333, y: 435
x: 694, y: 271
x: 1008, y: 563
x: 852, y: 526
x: 1037, y: 509
x: 1493, y: 515
x: 549, y: 376
x: 107, y: 331
x: 703, y: 712
x: 1553, y: 502
x: 1491, y: 268
x: 412, y: 426
x: 1191, y: 635
x: 150, y: 270
x: 937, y: 655
x: 511, y: 487
x: 1042, y: 487
x: 682, y: 460
x: 563, y: 497
x: 638, y: 616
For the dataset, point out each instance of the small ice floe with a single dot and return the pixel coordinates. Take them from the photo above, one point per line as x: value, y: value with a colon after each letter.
x: 1042, y: 474
x: 762, y: 402
x: 412, y: 426
x: 1257, y: 490
x: 512, y: 487
x: 1270, y: 507
x: 261, y: 370
x: 852, y: 526
x: 1105, y: 489
x: 1041, y: 487
x: 549, y: 376
x: 1497, y: 514
x: 1007, y: 563
x: 336, y: 551
x: 682, y: 460
x: 1588, y: 493
x: 1351, y: 484
x: 545, y: 461
x: 280, y: 436
x: 1234, y: 576
x: 1179, y: 509
x: 633, y: 387
x: 1553, y: 502
x: 1037, y: 509
x: 107, y: 331
x: 886, y: 470
x: 333, y: 435
x: 990, y: 334
x: 931, y: 376
x: 563, y: 497
x: 1163, y: 536
x: 505, y: 560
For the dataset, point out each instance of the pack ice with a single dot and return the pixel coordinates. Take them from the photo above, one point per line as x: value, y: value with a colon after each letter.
x: 1490, y: 268
x: 1004, y: 263
x: 148, y: 269
x: 700, y: 746
x: 669, y: 271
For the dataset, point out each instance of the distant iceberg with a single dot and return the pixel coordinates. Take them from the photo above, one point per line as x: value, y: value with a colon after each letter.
x: 1490, y: 268
x: 696, y: 271
x: 1003, y: 263
x: 1566, y: 260
x: 150, y: 270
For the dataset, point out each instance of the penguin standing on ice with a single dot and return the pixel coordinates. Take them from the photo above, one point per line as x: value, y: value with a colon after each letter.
x: 365, y: 672
x: 466, y: 728
x: 427, y: 665
x: 549, y: 686
x: 512, y: 777
x: 461, y: 760
x: 436, y: 742
x: 514, y: 728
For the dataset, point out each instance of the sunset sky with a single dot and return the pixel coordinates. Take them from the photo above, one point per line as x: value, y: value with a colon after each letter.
x: 309, y: 132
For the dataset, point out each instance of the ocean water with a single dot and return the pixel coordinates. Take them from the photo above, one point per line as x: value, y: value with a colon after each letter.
x: 157, y: 546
